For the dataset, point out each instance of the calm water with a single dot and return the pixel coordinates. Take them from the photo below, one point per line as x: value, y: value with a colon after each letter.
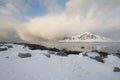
x: 88, y: 46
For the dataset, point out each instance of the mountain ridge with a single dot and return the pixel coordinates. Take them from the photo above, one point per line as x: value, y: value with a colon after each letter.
x: 85, y: 37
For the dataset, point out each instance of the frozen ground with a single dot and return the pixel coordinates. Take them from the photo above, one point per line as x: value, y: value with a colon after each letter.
x: 41, y: 67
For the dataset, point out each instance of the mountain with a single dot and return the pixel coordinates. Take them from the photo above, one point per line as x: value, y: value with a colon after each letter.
x: 85, y: 37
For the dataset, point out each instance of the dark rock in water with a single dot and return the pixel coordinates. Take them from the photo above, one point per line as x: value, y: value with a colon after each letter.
x: 37, y: 47
x: 117, y: 55
x: 40, y: 47
x: 33, y: 46
x: 61, y: 54
x: 116, y: 69
x: 98, y: 58
x: 54, y: 49
x: 85, y: 54
x: 3, y: 49
x: 103, y: 54
x: 73, y: 52
x: 24, y: 55
x: 64, y: 50
x: 95, y: 51
x: 82, y: 47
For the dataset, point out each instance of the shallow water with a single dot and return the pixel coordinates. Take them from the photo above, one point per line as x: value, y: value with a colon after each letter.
x: 111, y: 47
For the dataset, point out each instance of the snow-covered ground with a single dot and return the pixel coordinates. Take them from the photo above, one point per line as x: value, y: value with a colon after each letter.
x: 41, y: 67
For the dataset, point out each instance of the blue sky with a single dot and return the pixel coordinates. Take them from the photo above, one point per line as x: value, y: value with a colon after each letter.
x: 35, y: 8
x: 51, y: 19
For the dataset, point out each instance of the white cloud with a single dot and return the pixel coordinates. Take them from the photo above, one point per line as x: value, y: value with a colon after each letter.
x: 79, y: 16
x: 98, y: 8
x: 50, y: 27
x: 52, y: 6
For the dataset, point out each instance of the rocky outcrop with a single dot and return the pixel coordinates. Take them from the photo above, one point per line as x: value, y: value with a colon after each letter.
x: 116, y: 69
x: 24, y: 55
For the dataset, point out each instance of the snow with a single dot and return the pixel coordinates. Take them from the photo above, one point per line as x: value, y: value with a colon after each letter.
x: 40, y: 67
x: 86, y: 37
x: 112, y: 61
x: 93, y: 54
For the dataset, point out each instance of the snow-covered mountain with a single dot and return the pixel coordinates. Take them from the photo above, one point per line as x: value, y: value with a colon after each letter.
x: 85, y: 37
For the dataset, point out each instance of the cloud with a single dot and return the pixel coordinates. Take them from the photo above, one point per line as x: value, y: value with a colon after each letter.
x: 94, y: 8
x: 78, y: 16
x: 52, y: 6
x: 8, y: 31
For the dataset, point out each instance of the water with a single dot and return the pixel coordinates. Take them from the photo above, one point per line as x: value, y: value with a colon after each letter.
x: 111, y: 47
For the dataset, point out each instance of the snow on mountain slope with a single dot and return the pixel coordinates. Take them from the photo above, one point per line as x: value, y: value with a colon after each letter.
x: 40, y: 67
x: 85, y: 37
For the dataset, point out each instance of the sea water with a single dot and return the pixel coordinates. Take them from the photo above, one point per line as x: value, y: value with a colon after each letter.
x: 111, y: 47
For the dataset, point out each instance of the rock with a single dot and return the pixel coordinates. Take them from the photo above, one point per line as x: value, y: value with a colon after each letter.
x: 118, y: 51
x: 54, y: 49
x: 3, y: 48
x: 64, y: 50
x: 103, y: 54
x: 24, y: 55
x: 36, y: 47
x: 7, y: 57
x: 33, y: 46
x: 82, y: 47
x: 61, y: 54
x: 98, y: 58
x: 47, y: 55
x: 84, y: 54
x: 116, y: 69
x: 1, y: 45
x: 95, y: 51
x: 117, y: 54
x: 73, y: 52
x: 9, y: 46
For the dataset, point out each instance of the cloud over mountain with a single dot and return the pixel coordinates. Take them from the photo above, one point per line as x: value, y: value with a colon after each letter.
x: 98, y: 16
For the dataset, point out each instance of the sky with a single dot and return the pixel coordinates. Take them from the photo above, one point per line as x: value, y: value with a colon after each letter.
x: 40, y: 20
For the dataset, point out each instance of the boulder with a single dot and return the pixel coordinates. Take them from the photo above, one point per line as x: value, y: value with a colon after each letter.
x: 117, y: 55
x: 47, y: 55
x: 82, y: 47
x: 116, y: 69
x: 61, y: 54
x: 84, y: 54
x: 24, y: 55
x: 6, y: 57
x: 54, y: 49
x: 103, y: 54
x: 95, y: 51
x: 3, y: 48
x: 9, y: 46
x: 98, y: 58
x: 73, y: 52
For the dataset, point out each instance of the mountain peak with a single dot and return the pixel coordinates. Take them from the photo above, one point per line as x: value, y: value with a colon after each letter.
x: 86, y: 36
x: 87, y: 33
